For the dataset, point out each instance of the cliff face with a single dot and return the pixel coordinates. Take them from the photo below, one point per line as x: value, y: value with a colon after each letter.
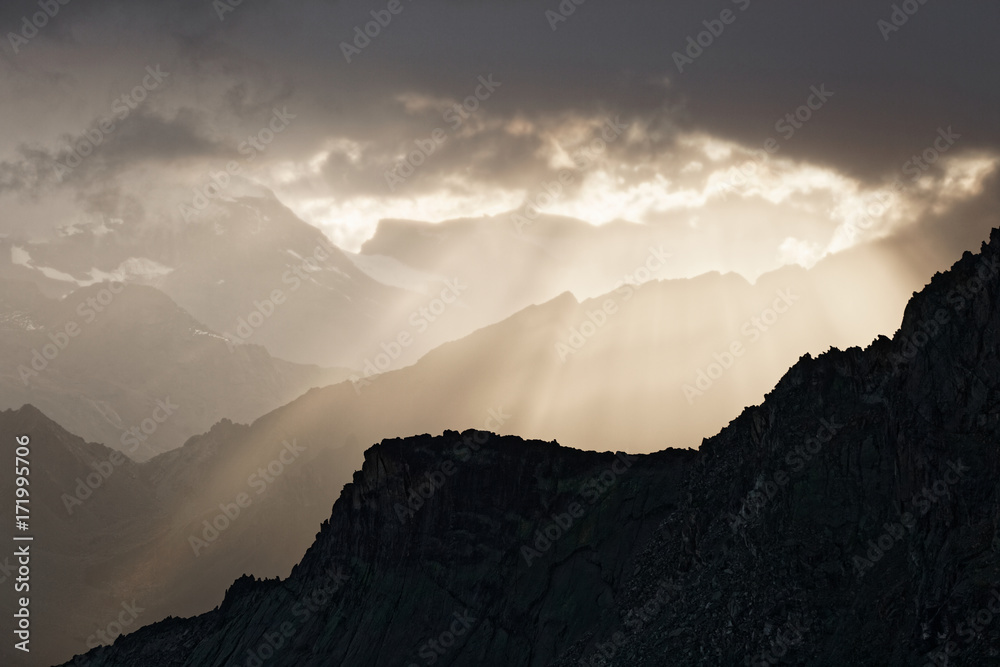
x: 852, y: 518
x: 479, y: 544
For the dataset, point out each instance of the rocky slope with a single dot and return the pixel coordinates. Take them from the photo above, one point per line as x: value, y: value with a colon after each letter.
x: 384, y: 567
x: 110, y: 533
x: 852, y: 518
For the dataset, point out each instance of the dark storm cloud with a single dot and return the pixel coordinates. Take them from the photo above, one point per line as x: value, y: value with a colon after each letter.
x: 97, y: 154
x: 938, y: 69
x: 892, y: 90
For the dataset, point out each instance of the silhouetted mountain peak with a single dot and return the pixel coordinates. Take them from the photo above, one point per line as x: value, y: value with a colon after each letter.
x: 827, y: 515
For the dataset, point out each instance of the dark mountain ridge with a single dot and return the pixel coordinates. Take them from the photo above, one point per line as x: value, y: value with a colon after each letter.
x: 851, y: 518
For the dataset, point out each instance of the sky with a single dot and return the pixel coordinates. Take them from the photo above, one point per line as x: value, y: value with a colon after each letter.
x: 784, y: 121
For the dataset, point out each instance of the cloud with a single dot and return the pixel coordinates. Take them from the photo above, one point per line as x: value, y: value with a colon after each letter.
x: 356, y: 121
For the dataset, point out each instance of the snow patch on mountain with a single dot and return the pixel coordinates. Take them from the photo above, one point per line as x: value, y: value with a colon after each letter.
x: 17, y: 320
x: 199, y: 332
x: 19, y: 256
x: 132, y: 269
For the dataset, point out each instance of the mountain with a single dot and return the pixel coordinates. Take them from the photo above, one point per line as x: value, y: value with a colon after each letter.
x: 548, y: 254
x: 509, y: 268
x: 124, y: 365
x: 164, y: 536
x: 664, y: 355
x: 523, y: 375
x: 251, y: 271
x: 520, y: 265
x: 663, y: 352
x: 851, y: 518
x: 69, y: 549
x: 511, y: 377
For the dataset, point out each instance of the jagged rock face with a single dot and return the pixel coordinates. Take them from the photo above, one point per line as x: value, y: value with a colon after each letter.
x: 437, y: 536
x: 851, y: 519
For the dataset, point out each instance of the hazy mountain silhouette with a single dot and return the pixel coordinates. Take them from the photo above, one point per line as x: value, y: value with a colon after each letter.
x: 524, y: 375
x: 135, y: 371
x: 339, y: 309
x: 640, y: 363
x: 110, y: 532
x: 508, y: 377
x: 851, y: 518
x: 225, y: 270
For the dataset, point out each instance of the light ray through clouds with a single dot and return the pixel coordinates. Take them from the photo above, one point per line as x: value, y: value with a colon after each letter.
x: 831, y: 208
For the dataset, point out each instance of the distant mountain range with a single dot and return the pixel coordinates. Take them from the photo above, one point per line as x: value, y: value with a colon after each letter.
x: 225, y: 271
x: 340, y: 310
x: 851, y: 518
x: 142, y: 347
x: 127, y: 367
x: 143, y: 375
x: 110, y: 532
